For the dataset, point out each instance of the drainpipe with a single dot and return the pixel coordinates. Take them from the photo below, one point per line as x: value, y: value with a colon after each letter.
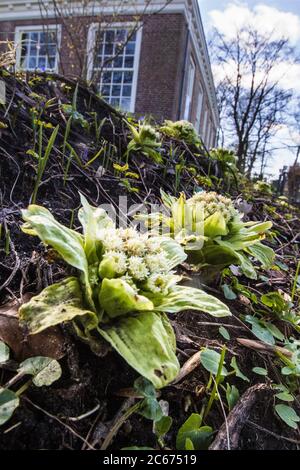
x: 183, y: 72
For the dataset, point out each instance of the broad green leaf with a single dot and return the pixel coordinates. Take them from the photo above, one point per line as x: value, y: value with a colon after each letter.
x: 215, y: 225
x: 4, y: 352
x: 224, y: 332
x: 163, y: 426
x: 189, y: 298
x: 92, y: 220
x: 199, y: 436
x: 214, y: 255
x: 237, y: 370
x: 247, y: 266
x: 288, y: 415
x: 210, y: 360
x: 174, y: 252
x: 150, y: 409
x: 45, y: 370
x: 232, y: 396
x: 57, y: 303
x: 260, y: 371
x: 264, y: 254
x: 145, y: 343
x: 8, y: 403
x: 117, y: 298
x: 68, y: 243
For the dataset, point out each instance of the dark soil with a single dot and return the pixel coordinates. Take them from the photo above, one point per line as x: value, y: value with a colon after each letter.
x: 45, y: 419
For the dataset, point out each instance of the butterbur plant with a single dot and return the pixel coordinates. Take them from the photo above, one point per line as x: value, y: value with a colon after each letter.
x: 181, y: 130
x: 125, y: 285
x: 145, y: 139
x: 213, y: 233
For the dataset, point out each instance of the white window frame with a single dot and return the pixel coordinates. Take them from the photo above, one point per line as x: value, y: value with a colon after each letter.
x: 204, y: 126
x: 136, y: 62
x: 37, y: 28
x: 191, y: 72
x: 199, y: 108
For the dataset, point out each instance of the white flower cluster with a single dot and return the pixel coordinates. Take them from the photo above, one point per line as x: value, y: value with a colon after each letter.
x: 213, y: 202
x: 136, y: 258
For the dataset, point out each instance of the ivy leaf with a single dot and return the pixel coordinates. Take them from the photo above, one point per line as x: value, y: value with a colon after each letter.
x: 284, y: 396
x: 45, y: 370
x: 8, y: 403
x: 210, y: 360
x: 288, y: 415
x: 149, y: 407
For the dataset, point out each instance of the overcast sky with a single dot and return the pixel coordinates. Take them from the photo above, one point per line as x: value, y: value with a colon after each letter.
x: 280, y: 16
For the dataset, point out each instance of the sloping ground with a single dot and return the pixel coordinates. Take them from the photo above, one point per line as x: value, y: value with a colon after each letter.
x: 58, y: 417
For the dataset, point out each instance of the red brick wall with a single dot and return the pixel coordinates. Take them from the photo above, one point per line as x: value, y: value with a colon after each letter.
x: 161, y: 59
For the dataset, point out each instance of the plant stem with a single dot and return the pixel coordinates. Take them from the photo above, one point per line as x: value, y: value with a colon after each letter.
x: 118, y: 424
x: 295, y: 281
x: 216, y: 383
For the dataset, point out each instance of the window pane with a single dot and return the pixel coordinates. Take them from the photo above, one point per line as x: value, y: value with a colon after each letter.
x: 128, y: 64
x: 126, y: 90
x: 117, y: 59
x: 38, y: 50
x: 128, y: 77
x: 117, y: 77
x: 116, y: 90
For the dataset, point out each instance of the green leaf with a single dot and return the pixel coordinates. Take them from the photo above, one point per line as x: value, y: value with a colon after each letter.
x: 174, y: 252
x: 216, y: 255
x: 117, y: 298
x: 92, y: 219
x: 191, y: 430
x: 264, y: 254
x: 188, y: 444
x: 210, y: 360
x: 189, y: 298
x: 260, y: 331
x: 57, y: 303
x: 288, y: 415
x: 237, y: 370
x: 145, y: 342
x: 284, y: 396
x: 224, y: 332
x: 4, y: 352
x: 232, y: 396
x: 68, y: 243
x: 215, y: 225
x: 163, y: 426
x: 44, y: 369
x: 228, y: 292
x: 260, y: 371
x: 8, y: 403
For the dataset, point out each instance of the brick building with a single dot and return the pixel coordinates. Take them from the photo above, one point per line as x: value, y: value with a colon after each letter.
x: 164, y: 70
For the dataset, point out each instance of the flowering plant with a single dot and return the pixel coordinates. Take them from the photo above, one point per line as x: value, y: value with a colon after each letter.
x: 145, y: 139
x: 125, y: 287
x: 212, y: 232
x: 182, y: 130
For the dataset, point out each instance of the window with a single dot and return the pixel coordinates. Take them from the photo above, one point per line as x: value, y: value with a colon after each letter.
x: 189, y: 89
x: 205, y: 121
x: 37, y: 48
x: 116, y: 57
x: 199, y: 109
